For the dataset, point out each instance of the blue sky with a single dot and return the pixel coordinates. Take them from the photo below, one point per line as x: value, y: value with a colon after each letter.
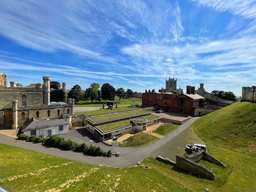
x: 130, y: 44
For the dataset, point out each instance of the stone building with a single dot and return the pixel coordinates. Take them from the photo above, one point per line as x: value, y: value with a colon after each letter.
x: 19, y: 104
x: 171, y: 84
x: 3, y: 80
x: 248, y: 94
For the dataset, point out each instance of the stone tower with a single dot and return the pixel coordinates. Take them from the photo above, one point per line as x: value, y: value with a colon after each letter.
x: 64, y: 89
x: 46, y: 90
x: 3, y: 80
x: 171, y: 84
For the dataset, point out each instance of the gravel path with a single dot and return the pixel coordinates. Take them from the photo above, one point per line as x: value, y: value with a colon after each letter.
x: 83, y: 109
x: 128, y: 156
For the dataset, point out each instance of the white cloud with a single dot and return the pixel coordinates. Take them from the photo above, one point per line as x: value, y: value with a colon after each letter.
x: 246, y: 8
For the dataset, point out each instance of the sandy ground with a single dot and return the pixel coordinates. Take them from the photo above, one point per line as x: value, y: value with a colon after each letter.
x: 9, y: 132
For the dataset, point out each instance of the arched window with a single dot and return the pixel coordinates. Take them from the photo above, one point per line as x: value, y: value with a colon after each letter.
x: 67, y: 111
x: 22, y: 115
x: 58, y: 112
x: 24, y: 97
x: 49, y: 113
x: 37, y: 114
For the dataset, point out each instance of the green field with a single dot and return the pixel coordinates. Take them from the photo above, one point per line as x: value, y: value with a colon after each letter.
x: 139, y: 140
x: 23, y: 170
x: 229, y: 134
x: 166, y: 128
x: 115, y: 125
x: 122, y: 114
x: 126, y: 101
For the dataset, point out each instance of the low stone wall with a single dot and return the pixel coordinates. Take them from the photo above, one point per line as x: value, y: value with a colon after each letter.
x: 165, y: 160
x: 77, y: 120
x: 211, y: 159
x: 194, y: 157
x: 193, y: 168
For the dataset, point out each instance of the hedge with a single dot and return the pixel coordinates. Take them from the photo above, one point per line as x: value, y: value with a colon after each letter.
x: 60, y: 143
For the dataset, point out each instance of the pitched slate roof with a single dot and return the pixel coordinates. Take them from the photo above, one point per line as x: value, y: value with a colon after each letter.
x: 194, y: 96
x: 34, y: 124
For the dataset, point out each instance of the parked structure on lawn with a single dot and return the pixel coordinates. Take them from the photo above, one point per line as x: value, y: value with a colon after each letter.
x: 20, y: 104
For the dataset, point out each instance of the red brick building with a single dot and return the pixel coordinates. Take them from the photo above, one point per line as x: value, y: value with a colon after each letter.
x: 183, y: 103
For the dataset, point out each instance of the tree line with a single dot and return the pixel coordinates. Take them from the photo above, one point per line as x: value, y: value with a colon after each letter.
x: 92, y: 93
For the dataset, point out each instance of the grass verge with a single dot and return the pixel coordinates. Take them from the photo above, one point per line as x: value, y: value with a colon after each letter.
x: 139, y: 140
x: 166, y: 128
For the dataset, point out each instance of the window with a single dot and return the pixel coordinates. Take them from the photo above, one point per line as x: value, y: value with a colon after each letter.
x: 33, y: 132
x: 49, y: 113
x: 37, y: 114
x: 61, y: 128
x: 58, y: 112
x: 24, y: 97
x: 67, y: 111
x: 22, y: 115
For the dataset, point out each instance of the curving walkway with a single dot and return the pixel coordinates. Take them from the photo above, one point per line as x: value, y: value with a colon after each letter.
x: 128, y: 156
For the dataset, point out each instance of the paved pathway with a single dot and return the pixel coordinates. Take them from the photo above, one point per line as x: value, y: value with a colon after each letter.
x: 128, y: 156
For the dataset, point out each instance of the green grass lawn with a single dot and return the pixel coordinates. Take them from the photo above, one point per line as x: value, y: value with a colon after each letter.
x: 166, y: 128
x: 23, y: 170
x: 122, y: 114
x: 104, y: 111
x: 126, y: 101
x: 114, y: 125
x: 139, y: 140
x: 232, y: 127
x: 229, y: 134
x: 148, y: 117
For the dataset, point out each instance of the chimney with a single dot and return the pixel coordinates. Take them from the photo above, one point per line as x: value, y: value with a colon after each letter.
x: 192, y: 89
x: 188, y: 89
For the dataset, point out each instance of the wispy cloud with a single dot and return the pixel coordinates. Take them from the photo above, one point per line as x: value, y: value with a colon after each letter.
x: 246, y: 8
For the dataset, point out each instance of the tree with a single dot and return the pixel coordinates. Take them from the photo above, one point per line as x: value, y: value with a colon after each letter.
x: 224, y: 95
x: 75, y: 93
x: 129, y: 93
x: 57, y: 95
x: 93, y: 92
x: 120, y: 93
x: 54, y: 85
x: 108, y: 92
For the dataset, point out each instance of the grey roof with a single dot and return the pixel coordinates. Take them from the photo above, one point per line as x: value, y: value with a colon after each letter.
x: 34, y: 124
x: 194, y: 96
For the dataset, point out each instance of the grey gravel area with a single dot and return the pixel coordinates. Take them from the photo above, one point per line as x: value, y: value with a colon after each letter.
x: 83, y: 109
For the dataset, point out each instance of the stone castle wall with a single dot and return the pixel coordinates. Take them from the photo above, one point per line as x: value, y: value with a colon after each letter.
x: 248, y: 94
x: 25, y: 96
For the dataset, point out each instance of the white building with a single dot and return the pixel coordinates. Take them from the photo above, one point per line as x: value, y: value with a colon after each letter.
x: 45, y: 128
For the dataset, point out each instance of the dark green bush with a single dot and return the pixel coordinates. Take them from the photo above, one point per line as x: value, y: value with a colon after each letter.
x: 109, y: 153
x: 52, y: 141
x: 39, y: 139
x: 67, y: 145
x: 23, y: 137
x: 32, y: 138
x: 81, y: 148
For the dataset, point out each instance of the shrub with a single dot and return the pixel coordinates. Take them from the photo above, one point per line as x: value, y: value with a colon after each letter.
x: 67, y: 144
x: 39, y: 139
x: 81, y: 148
x: 52, y: 141
x: 32, y: 138
x: 109, y: 153
x: 23, y: 137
